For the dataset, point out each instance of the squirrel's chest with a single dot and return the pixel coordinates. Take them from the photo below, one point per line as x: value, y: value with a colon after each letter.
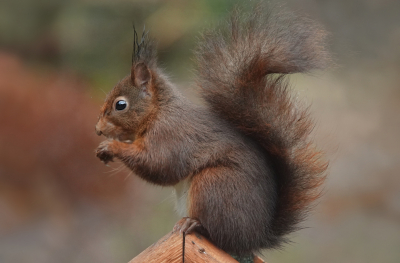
x: 181, y: 192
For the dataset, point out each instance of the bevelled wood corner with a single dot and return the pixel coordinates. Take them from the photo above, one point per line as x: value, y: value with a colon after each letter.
x: 197, y: 249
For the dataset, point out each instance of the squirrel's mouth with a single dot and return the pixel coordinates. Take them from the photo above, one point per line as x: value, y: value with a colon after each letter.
x: 124, y: 141
x: 121, y: 138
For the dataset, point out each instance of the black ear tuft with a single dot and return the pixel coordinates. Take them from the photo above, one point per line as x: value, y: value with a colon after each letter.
x: 140, y: 74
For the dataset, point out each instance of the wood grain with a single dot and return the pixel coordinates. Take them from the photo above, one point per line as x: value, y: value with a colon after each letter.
x: 197, y: 249
x: 166, y: 249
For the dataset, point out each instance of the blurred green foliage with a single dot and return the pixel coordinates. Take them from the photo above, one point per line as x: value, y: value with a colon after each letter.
x: 94, y: 38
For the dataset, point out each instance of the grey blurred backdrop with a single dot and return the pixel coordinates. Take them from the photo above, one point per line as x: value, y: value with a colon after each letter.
x: 58, y: 203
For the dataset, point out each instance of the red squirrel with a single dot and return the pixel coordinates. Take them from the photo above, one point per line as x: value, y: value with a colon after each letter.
x: 243, y: 166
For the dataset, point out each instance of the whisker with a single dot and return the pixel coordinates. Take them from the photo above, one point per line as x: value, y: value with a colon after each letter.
x: 116, y: 170
x: 129, y: 174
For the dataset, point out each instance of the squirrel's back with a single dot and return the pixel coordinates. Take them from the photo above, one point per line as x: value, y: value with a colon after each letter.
x: 242, y: 68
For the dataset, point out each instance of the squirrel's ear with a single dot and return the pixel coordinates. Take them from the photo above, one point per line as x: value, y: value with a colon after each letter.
x: 140, y: 75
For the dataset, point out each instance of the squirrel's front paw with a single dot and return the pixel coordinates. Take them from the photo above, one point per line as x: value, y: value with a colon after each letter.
x: 104, y: 153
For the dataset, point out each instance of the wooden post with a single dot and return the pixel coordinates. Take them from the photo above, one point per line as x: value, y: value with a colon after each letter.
x: 197, y: 249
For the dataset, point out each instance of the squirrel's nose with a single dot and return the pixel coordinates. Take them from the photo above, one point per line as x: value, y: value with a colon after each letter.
x: 98, y: 131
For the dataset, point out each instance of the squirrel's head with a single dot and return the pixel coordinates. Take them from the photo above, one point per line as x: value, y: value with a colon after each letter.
x: 128, y: 106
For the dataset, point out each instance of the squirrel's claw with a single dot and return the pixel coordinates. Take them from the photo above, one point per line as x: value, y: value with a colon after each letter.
x: 186, y: 225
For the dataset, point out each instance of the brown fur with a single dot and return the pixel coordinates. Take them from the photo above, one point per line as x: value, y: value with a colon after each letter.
x: 252, y: 168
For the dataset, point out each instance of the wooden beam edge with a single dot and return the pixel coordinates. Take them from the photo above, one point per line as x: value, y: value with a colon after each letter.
x: 197, y: 249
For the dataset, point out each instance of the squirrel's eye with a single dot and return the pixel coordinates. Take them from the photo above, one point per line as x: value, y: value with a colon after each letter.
x: 120, y: 105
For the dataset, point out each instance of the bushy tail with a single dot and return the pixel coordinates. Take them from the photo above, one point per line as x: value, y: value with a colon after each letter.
x: 242, y: 71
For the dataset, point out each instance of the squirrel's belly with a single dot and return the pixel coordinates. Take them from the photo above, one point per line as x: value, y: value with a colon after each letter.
x: 181, y: 192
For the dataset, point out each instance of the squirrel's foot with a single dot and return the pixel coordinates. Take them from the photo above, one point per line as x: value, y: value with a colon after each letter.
x: 104, y: 153
x: 187, y: 225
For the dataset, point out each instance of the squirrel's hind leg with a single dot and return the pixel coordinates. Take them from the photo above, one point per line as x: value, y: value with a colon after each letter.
x: 227, y: 204
x: 187, y: 225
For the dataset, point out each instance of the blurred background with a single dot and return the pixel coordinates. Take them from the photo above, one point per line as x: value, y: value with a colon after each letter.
x: 58, y: 58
